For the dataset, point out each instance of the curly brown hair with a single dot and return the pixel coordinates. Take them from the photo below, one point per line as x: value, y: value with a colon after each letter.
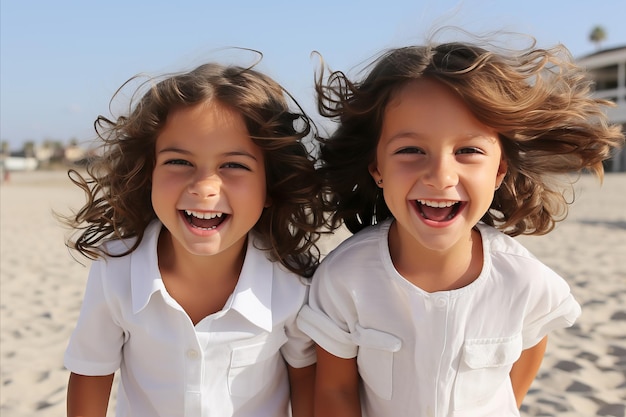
x: 117, y: 183
x: 538, y: 101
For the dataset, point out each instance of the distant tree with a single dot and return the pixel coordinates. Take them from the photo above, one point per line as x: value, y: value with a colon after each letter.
x: 5, y: 148
x: 597, y: 36
x: 29, y: 149
x: 59, y: 151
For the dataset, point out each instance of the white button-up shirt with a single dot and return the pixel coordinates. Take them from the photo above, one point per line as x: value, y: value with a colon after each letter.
x: 441, y: 354
x: 232, y: 363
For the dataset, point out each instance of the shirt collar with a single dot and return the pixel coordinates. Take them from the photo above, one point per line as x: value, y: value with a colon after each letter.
x: 252, y: 297
x: 144, y: 268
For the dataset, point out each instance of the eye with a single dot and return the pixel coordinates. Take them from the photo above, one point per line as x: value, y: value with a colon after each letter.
x: 177, y: 162
x: 469, y: 150
x: 235, y: 165
x: 409, y: 150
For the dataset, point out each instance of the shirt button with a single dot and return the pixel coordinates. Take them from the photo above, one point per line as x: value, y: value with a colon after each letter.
x: 192, y: 354
x: 441, y: 302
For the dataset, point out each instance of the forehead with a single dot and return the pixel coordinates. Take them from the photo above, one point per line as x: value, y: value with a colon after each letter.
x: 207, y: 113
x: 207, y: 127
x: 427, y: 109
x: 424, y: 92
x: 205, y: 119
x: 427, y: 105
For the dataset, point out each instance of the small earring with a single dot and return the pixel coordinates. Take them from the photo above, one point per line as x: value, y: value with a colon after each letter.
x: 498, y: 187
x: 380, y: 181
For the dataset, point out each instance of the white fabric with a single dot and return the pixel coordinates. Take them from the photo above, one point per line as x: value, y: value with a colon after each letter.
x: 439, y: 354
x: 232, y: 363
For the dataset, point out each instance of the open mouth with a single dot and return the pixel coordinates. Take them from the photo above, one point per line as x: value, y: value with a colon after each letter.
x: 204, y: 220
x: 439, y: 211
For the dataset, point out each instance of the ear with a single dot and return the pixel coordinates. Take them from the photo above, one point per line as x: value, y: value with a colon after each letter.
x: 373, y: 170
x: 268, y: 201
x: 502, y: 169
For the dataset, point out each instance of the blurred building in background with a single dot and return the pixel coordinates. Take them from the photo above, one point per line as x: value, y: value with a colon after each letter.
x: 607, y: 68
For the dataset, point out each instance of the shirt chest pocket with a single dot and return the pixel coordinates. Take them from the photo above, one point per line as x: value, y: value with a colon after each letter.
x: 375, y: 359
x: 485, y: 365
x: 255, y: 363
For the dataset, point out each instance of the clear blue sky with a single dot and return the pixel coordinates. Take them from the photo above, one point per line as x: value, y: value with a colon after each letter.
x: 62, y: 60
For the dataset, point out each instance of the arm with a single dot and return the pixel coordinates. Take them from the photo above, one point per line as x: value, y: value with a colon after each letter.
x: 336, y: 386
x: 525, y: 369
x: 302, y: 383
x: 88, y: 396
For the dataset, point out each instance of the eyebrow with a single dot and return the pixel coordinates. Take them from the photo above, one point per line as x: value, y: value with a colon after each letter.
x: 417, y: 135
x: 405, y: 134
x: 186, y: 152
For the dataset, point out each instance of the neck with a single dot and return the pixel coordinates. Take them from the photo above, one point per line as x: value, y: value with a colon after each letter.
x: 200, y: 284
x: 433, y: 270
x: 176, y: 260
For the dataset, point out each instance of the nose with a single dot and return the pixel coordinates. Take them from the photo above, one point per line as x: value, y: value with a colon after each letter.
x: 205, y: 185
x: 441, y: 173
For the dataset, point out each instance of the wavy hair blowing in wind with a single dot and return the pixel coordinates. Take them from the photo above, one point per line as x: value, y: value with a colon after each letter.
x: 118, y: 181
x: 538, y: 100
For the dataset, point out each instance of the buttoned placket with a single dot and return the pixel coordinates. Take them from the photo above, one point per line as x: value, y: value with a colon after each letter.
x: 441, y: 308
x: 437, y: 307
x: 194, y: 363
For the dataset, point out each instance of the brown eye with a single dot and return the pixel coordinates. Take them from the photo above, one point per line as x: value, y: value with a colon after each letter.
x: 469, y: 151
x: 176, y: 162
x: 409, y: 150
x: 235, y: 165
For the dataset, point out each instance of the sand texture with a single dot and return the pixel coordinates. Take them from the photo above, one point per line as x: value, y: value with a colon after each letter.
x: 41, y: 287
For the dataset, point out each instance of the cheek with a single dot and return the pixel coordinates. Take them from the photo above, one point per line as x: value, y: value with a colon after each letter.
x: 497, y: 170
x: 155, y: 185
x: 261, y: 194
x: 158, y: 191
x: 400, y: 175
x: 167, y: 179
x: 251, y: 191
x: 164, y: 188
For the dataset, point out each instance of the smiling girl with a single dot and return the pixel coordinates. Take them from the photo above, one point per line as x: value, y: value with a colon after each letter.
x: 201, y: 216
x: 430, y: 310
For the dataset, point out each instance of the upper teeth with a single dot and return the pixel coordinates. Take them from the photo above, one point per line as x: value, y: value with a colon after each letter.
x: 437, y: 204
x: 203, y: 215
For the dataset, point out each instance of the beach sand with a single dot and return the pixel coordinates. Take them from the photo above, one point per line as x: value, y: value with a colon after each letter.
x: 41, y: 286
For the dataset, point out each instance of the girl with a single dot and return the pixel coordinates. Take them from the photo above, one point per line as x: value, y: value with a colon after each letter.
x: 202, y: 214
x: 429, y: 310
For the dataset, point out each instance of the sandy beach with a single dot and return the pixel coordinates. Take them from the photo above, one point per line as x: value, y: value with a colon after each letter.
x: 41, y: 287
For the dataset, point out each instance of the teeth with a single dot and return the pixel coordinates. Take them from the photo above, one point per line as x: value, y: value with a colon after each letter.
x: 437, y: 204
x: 201, y: 215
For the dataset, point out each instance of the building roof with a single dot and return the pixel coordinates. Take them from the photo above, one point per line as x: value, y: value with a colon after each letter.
x: 604, y: 57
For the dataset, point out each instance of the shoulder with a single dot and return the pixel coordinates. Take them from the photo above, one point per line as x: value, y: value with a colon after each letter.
x: 270, y: 285
x: 259, y: 271
x: 527, y: 286
x: 142, y: 261
x: 360, y: 260
x: 287, y: 281
x: 366, y: 244
x: 117, y: 247
x: 496, y: 241
x: 511, y: 261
